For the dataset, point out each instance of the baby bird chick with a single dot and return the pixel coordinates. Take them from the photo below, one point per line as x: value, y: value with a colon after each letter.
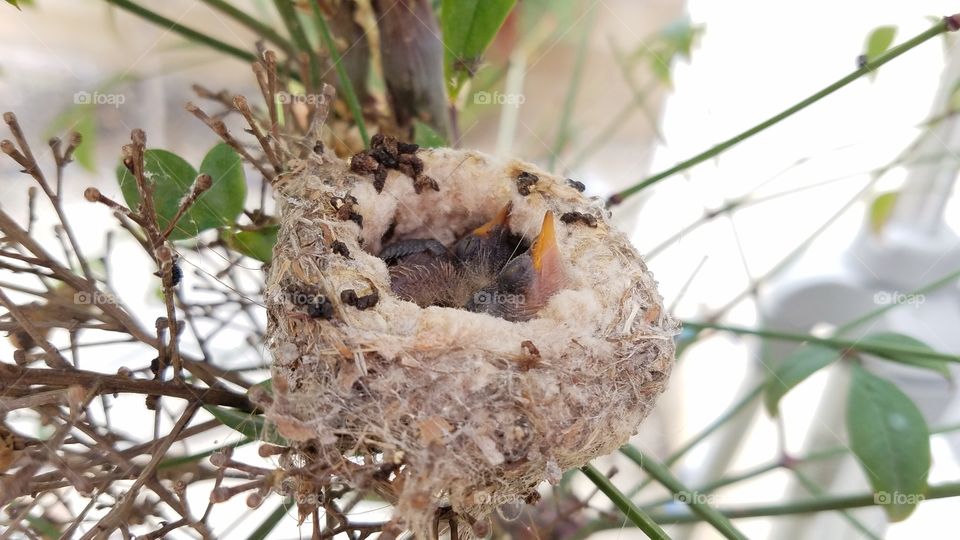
x: 480, y: 272
x: 423, y: 271
x: 526, y: 282
x: 490, y: 245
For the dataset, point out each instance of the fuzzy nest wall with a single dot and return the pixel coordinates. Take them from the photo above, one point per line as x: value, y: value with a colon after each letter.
x: 471, y: 410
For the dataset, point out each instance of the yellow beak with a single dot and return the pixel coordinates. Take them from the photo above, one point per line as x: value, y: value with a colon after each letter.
x: 501, y: 219
x: 545, y: 245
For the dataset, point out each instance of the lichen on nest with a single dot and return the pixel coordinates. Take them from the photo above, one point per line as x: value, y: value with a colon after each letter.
x: 438, y: 406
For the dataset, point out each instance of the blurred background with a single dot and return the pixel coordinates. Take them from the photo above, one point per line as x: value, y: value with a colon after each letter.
x: 782, y: 231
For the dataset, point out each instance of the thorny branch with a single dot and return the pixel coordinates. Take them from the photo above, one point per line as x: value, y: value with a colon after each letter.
x: 86, y: 456
x: 90, y: 466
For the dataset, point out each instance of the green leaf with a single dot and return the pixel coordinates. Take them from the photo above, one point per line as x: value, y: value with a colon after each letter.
x: 256, y: 244
x: 253, y: 426
x: 82, y: 119
x: 881, y: 209
x: 679, y: 37
x: 86, y: 127
x: 426, y: 136
x: 676, y: 39
x: 890, y: 439
x: 900, y: 341
x: 42, y: 525
x: 13, y: 3
x: 171, y: 175
x: 173, y: 178
x: 220, y: 205
x: 468, y: 27
x: 879, y: 40
x: 794, y: 369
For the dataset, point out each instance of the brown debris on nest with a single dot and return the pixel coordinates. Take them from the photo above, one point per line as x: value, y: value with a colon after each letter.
x: 388, y: 153
x: 435, y: 407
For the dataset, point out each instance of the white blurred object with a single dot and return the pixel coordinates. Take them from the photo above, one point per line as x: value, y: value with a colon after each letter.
x: 914, y: 249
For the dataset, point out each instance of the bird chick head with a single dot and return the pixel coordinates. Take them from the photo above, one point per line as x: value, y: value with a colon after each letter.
x: 489, y: 246
x: 482, y: 272
x: 525, y: 283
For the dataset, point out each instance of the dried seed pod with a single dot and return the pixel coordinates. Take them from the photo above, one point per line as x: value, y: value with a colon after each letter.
x: 466, y: 402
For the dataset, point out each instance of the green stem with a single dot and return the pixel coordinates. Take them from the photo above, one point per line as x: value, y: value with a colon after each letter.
x: 625, y: 505
x: 348, y: 92
x: 750, y: 474
x: 253, y: 24
x: 823, y: 504
x: 933, y: 286
x: 833, y: 343
x: 663, y: 475
x: 184, y: 31
x: 944, y: 25
x: 753, y: 394
x: 722, y: 482
x: 576, y: 77
x: 290, y: 19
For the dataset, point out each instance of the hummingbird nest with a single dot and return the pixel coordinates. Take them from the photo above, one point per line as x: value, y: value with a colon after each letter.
x: 435, y: 407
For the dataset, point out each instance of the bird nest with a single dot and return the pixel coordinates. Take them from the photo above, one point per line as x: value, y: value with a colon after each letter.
x: 435, y: 407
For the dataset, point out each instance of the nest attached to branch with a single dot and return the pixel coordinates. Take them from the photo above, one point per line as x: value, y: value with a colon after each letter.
x: 435, y: 407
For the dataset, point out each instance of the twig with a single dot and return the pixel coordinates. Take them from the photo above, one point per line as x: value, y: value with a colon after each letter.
x: 634, y: 514
x: 184, y: 31
x: 241, y: 104
x: 253, y: 24
x: 202, y: 183
x: 663, y: 475
x: 946, y: 24
x: 221, y: 130
x: 111, y: 520
x: 824, y: 504
x: 54, y: 358
x: 32, y: 168
x: 833, y: 343
x: 22, y: 377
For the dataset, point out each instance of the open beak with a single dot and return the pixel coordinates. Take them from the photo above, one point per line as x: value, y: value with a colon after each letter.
x: 499, y: 220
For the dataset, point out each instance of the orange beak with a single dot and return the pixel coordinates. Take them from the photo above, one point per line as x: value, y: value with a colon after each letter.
x: 545, y: 251
x: 501, y: 219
